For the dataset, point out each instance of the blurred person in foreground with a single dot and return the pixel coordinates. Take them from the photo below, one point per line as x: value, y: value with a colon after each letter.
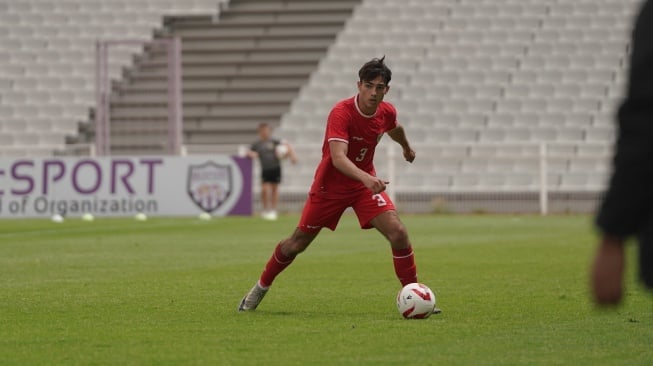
x: 269, y: 154
x: 627, y: 209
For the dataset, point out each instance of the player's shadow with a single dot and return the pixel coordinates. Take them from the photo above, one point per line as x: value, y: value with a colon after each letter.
x: 280, y: 313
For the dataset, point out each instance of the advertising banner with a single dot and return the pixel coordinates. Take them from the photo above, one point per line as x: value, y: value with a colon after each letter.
x: 123, y: 186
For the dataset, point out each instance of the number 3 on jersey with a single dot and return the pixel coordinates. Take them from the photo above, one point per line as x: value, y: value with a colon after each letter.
x: 361, y: 155
x: 380, y: 201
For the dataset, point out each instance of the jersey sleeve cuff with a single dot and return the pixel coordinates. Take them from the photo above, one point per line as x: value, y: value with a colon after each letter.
x: 337, y: 139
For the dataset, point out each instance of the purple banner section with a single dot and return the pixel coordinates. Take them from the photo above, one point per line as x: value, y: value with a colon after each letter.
x: 122, y: 186
x: 244, y: 204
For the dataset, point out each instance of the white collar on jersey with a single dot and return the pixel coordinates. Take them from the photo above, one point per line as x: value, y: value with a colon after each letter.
x: 361, y: 112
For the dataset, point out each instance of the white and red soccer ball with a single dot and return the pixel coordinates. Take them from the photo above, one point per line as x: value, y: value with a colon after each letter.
x: 282, y: 151
x: 416, y: 301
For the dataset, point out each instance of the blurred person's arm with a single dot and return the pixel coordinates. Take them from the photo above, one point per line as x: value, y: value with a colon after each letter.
x: 607, y: 271
x: 252, y: 153
x: 291, y: 152
x: 628, y: 202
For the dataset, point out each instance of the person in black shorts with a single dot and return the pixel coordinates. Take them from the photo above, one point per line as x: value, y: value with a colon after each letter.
x: 627, y: 208
x: 269, y: 151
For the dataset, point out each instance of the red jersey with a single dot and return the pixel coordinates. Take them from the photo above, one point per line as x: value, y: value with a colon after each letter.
x: 362, y: 133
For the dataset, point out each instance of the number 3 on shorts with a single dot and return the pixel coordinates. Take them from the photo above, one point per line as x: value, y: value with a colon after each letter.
x: 380, y: 201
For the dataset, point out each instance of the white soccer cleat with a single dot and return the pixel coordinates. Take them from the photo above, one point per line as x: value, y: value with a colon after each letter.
x: 253, y: 298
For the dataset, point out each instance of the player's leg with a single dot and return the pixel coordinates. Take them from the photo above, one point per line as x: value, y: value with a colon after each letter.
x: 275, y: 179
x: 379, y: 212
x: 265, y: 197
x: 274, y: 200
x: 394, y: 230
x: 317, y: 214
x: 388, y: 224
x: 284, y: 254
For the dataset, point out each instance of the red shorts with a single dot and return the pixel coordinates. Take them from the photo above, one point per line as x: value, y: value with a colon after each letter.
x: 322, y: 211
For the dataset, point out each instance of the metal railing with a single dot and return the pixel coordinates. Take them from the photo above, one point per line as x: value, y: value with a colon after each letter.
x: 542, y: 160
x: 103, y: 92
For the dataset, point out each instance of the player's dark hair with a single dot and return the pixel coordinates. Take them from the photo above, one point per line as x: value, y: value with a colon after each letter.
x: 263, y: 125
x: 375, y: 68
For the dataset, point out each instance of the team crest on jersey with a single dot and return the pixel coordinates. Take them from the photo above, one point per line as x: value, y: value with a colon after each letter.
x: 209, y: 185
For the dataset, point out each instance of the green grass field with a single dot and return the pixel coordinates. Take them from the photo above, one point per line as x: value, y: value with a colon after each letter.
x: 513, y: 290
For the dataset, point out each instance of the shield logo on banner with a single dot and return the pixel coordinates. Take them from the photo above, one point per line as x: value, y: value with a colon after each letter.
x: 209, y: 185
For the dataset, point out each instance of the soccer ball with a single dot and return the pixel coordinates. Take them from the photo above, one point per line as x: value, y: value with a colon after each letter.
x: 415, y: 301
x: 281, y: 151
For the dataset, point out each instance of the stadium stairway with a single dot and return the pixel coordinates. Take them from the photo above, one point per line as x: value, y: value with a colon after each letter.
x: 239, y: 69
x: 47, y: 62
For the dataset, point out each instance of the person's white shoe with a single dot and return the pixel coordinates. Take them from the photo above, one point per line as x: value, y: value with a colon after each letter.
x: 253, y: 298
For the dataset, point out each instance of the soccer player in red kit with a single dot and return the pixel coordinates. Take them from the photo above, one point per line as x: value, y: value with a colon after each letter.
x: 346, y: 178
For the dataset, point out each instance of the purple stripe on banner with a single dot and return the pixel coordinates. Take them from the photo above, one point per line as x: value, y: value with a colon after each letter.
x: 244, y: 204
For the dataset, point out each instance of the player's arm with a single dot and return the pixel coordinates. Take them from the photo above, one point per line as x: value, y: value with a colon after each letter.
x: 252, y: 154
x: 291, y: 153
x: 608, y: 271
x: 398, y: 135
x: 340, y: 160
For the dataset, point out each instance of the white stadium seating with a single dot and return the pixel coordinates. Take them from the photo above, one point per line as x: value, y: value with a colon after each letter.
x: 478, y: 73
x: 47, y: 56
x: 479, y: 84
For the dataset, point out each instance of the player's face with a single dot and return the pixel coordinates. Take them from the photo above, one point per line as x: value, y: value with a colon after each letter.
x: 264, y: 133
x: 370, y: 94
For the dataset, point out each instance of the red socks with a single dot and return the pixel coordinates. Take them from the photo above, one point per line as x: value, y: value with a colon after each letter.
x: 404, y: 262
x: 276, y: 264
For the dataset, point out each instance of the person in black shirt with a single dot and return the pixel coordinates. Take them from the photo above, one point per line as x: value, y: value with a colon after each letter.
x: 269, y: 152
x: 627, y: 209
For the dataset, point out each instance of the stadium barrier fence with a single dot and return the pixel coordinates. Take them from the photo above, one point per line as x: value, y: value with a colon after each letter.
x: 103, y: 92
x: 551, y: 177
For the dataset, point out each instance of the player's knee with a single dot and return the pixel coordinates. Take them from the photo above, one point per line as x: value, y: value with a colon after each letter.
x: 290, y: 247
x: 297, y: 247
x: 296, y: 244
x: 398, y: 235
